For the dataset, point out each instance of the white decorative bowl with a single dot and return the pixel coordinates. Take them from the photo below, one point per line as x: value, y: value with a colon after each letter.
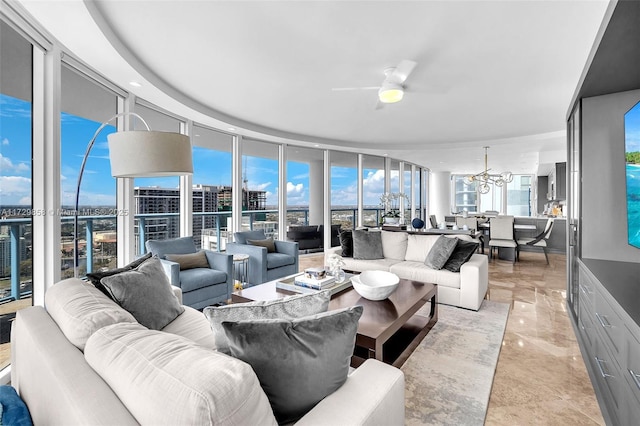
x: 375, y: 285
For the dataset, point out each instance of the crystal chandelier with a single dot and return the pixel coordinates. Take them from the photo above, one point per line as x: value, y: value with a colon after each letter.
x: 485, y: 178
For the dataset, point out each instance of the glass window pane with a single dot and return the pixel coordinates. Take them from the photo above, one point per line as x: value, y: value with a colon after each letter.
x: 15, y: 181
x: 465, y: 195
x: 260, y: 187
x: 519, y: 195
x: 211, y: 180
x: 85, y: 106
x: 373, y: 188
x: 305, y: 182
x: 344, y: 189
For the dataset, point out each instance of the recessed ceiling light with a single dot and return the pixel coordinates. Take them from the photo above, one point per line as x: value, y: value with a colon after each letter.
x: 386, y: 155
x: 316, y: 145
x: 135, y: 84
x: 231, y: 129
x: 197, y: 136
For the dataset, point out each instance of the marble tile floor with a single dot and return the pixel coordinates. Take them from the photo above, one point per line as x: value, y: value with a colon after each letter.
x: 540, y: 378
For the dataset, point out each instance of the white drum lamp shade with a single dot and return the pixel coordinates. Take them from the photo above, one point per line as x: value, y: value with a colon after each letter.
x: 149, y: 154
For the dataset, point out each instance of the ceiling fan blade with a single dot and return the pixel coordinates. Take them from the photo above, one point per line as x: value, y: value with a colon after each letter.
x: 402, y: 71
x: 345, y: 89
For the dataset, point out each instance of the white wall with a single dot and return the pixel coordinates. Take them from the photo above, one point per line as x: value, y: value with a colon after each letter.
x: 604, y: 208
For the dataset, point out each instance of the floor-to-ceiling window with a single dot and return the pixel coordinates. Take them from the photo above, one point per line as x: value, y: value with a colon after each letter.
x: 85, y: 105
x: 16, y: 96
x: 211, y: 187
x: 260, y: 187
x: 157, y: 200
x: 492, y: 200
x: 344, y: 189
x: 372, y: 188
x: 519, y: 195
x: 304, y: 186
x: 465, y: 195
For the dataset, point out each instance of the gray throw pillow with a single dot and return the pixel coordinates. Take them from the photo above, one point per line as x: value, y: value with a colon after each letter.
x: 189, y: 261
x: 290, y: 307
x: 95, y: 277
x: 367, y: 245
x: 461, y: 255
x: 346, y: 242
x: 440, y: 252
x: 146, y: 293
x: 268, y: 243
x: 298, y: 362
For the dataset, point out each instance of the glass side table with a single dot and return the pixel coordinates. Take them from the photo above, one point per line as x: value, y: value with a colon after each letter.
x: 240, y: 270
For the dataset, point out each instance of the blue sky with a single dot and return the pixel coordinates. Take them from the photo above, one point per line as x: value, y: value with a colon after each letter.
x: 98, y: 187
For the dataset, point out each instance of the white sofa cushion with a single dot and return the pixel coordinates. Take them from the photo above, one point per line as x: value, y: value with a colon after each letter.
x: 351, y: 264
x: 418, y: 271
x: 166, y: 379
x: 80, y: 309
x: 193, y: 325
x: 394, y: 245
x: 418, y: 247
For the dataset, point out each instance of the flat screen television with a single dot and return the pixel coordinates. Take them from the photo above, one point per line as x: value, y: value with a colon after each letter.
x: 632, y: 172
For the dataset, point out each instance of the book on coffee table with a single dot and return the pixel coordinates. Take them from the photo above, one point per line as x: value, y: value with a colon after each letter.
x: 290, y: 285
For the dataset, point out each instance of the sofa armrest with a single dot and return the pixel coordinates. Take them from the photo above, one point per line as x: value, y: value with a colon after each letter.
x: 287, y: 247
x: 257, y: 260
x: 222, y: 262
x: 177, y: 291
x: 474, y: 281
x: 172, y: 269
x: 372, y: 395
x: 53, y: 378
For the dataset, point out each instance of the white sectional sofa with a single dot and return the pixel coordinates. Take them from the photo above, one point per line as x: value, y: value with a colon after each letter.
x: 404, y: 255
x: 85, y: 361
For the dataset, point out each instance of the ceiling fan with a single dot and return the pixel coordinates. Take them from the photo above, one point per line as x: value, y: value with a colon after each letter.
x: 392, y: 88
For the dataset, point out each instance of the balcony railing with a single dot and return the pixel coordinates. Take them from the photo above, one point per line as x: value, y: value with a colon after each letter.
x: 19, y: 289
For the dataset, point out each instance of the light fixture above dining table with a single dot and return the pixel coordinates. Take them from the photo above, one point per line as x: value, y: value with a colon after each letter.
x: 485, y: 178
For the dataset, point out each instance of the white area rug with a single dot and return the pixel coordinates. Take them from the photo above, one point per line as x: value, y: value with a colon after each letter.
x: 449, y: 376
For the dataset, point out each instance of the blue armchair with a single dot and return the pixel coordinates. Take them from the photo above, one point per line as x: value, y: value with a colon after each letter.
x: 201, y: 287
x: 264, y: 266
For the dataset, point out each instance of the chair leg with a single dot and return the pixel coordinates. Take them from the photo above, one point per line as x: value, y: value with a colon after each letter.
x: 545, y: 254
x: 515, y: 254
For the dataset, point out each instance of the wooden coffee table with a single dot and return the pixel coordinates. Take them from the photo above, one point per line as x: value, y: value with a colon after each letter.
x: 388, y: 330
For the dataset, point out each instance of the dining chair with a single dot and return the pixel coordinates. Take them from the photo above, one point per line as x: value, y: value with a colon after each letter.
x: 502, y: 235
x: 538, y: 241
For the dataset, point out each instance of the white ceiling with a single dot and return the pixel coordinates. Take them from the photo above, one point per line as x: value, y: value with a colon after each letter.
x: 497, y: 73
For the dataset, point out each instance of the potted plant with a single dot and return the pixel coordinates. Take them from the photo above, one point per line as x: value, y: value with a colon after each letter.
x: 390, y: 202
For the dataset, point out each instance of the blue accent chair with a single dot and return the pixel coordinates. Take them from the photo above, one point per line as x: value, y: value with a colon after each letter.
x: 265, y: 266
x: 201, y: 287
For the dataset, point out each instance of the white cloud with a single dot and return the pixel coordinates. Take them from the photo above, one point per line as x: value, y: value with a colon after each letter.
x: 258, y: 186
x: 15, y: 185
x: 294, y: 189
x: 25, y: 201
x: 7, y: 165
x: 296, y: 194
x: 5, y: 141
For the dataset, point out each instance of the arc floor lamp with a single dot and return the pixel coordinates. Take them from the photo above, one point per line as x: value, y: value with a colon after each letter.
x: 143, y: 153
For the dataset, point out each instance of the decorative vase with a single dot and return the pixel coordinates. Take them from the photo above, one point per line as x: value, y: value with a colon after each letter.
x: 391, y: 220
x: 338, y: 274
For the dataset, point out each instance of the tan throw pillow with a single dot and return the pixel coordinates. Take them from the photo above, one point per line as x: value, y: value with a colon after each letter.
x: 268, y: 243
x: 189, y: 261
